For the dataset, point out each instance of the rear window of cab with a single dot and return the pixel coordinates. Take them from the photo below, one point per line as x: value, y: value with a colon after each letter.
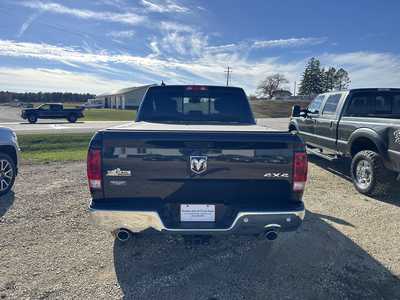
x: 379, y: 104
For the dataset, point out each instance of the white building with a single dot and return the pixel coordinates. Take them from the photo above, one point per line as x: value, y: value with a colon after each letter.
x: 128, y: 98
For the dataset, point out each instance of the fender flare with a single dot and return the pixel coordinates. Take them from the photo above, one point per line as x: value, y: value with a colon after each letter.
x: 371, y: 135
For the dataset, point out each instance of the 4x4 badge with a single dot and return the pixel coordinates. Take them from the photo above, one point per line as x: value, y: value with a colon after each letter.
x: 276, y: 175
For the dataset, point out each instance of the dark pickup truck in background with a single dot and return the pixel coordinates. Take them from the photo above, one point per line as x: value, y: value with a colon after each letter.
x: 52, y: 111
x: 361, y: 124
x: 195, y: 162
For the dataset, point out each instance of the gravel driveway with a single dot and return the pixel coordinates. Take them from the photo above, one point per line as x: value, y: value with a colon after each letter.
x: 348, y: 247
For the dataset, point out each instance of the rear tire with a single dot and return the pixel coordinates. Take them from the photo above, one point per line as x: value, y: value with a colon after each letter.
x: 72, y: 118
x: 8, y: 171
x: 32, y: 119
x: 370, y: 177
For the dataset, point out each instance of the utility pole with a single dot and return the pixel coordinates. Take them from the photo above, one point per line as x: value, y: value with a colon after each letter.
x: 294, y: 90
x: 228, y: 74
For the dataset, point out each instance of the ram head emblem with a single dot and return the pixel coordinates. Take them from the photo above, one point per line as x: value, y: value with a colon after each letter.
x: 198, y: 164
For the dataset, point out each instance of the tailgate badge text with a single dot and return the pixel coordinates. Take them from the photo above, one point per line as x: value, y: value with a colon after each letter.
x: 276, y: 175
x: 119, y: 173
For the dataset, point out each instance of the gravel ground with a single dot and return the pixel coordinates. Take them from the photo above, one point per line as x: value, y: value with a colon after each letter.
x: 348, y: 247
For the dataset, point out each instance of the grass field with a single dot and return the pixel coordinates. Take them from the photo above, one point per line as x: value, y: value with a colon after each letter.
x: 109, y: 115
x: 274, y: 108
x: 51, y: 147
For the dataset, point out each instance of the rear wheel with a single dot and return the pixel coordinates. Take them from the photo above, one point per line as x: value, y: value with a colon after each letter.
x: 72, y: 118
x: 7, y: 173
x: 32, y: 119
x: 370, y: 177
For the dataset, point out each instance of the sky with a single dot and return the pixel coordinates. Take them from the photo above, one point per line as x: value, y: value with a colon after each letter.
x: 100, y: 45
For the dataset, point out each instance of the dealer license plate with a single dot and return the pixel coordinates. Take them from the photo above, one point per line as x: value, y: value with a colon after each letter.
x: 197, y: 213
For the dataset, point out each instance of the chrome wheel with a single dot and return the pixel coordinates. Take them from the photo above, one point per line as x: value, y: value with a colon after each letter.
x: 364, y: 174
x: 6, y: 174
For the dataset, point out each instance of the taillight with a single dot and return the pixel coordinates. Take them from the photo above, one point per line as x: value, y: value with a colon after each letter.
x: 300, y: 167
x: 94, y: 168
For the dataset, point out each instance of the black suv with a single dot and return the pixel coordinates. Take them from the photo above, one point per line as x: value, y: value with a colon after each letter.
x: 363, y: 124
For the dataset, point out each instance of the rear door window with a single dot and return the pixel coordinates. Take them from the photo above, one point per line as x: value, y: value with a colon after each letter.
x: 396, y: 104
x: 55, y: 107
x: 331, y: 104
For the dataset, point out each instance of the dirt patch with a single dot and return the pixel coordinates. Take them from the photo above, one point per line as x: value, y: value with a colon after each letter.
x: 346, y: 248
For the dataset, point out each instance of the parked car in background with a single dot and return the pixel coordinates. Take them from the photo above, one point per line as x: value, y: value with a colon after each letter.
x: 196, y: 163
x: 9, y: 153
x: 52, y: 111
x: 363, y: 124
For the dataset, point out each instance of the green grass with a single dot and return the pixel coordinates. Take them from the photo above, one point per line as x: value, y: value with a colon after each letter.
x: 52, y: 147
x: 109, y: 115
x: 275, y: 108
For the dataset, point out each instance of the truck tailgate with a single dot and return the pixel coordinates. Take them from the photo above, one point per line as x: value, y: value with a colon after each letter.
x: 240, y: 168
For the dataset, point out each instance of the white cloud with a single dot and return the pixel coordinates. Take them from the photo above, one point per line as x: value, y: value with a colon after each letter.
x: 173, y: 26
x: 164, y: 6
x: 222, y: 48
x: 126, y: 18
x: 180, y: 39
x: 292, y: 42
x: 49, y: 80
x: 368, y: 69
x: 28, y: 23
x: 124, y: 34
x: 205, y: 67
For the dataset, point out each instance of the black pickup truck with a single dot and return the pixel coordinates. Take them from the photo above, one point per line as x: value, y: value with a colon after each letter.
x: 195, y: 162
x: 52, y: 111
x: 361, y: 124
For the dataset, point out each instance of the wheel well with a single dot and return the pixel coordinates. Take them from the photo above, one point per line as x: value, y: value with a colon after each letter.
x: 9, y: 150
x: 292, y: 127
x: 361, y: 144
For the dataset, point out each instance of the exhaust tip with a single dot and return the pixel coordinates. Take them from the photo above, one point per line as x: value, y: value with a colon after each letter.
x: 271, y: 235
x: 123, y: 235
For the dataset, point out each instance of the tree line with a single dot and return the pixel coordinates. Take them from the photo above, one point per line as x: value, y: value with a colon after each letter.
x: 315, y: 80
x: 44, y: 97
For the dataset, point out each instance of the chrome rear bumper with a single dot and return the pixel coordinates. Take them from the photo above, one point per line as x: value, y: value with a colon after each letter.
x: 245, y: 222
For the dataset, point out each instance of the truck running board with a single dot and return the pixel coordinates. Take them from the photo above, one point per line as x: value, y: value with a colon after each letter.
x: 321, y: 154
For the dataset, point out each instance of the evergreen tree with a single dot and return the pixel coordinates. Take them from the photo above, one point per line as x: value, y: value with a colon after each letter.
x: 312, y: 79
x: 342, y: 80
x: 329, y: 79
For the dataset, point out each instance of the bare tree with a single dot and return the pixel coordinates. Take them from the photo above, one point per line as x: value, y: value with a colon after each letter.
x: 271, y: 84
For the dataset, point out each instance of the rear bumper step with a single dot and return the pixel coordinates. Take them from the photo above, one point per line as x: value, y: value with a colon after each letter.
x: 250, y: 222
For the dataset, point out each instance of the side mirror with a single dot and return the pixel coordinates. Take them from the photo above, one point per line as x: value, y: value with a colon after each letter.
x: 296, y: 111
